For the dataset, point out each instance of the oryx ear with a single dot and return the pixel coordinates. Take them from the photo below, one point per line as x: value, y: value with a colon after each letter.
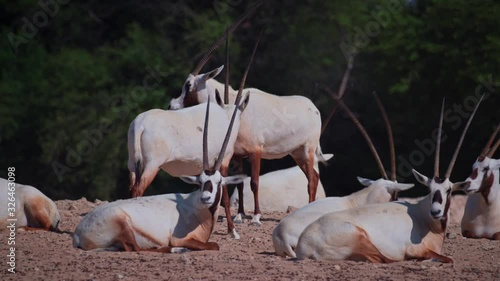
x: 462, y: 186
x: 218, y: 99
x: 421, y: 178
x: 328, y: 156
x: 244, y: 104
x: 233, y: 179
x: 495, y: 164
x: 365, y: 182
x: 399, y: 186
x: 211, y: 74
x: 190, y: 179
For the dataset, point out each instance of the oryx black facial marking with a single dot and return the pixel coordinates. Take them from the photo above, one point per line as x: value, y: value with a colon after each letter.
x: 486, y: 185
x: 474, y: 174
x: 437, y: 198
x: 190, y: 97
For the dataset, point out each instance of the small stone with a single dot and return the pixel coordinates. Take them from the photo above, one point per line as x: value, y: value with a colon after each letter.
x: 119, y: 276
x: 337, y: 267
x: 488, y: 247
x: 451, y: 235
x: 291, y: 209
x: 72, y: 207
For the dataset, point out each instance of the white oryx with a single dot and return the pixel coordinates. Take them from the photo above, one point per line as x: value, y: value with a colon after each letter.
x: 158, y: 223
x: 287, y: 232
x: 388, y: 232
x: 31, y: 208
x: 482, y: 211
x: 272, y: 127
x: 166, y: 139
x: 280, y: 189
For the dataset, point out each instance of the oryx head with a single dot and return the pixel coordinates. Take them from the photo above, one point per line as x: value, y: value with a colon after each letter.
x: 485, y: 170
x: 441, y: 187
x: 195, y: 90
x: 210, y: 179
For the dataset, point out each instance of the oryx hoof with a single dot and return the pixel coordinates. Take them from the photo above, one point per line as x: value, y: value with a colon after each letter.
x: 256, y: 220
x: 238, y: 219
x: 179, y: 250
x: 235, y: 235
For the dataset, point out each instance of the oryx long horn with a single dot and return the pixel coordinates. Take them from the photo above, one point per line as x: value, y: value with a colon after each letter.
x: 389, y: 135
x: 493, y: 149
x: 245, y: 74
x: 226, y: 139
x: 438, y: 142
x: 226, y: 83
x: 341, y: 92
x: 205, y: 139
x: 490, y: 142
x: 365, y: 135
x: 455, y: 155
x: 219, y: 41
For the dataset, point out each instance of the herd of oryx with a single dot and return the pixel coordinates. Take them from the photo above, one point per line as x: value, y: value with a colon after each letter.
x: 202, y: 131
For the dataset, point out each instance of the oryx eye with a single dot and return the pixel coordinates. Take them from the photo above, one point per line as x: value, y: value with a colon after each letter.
x: 187, y: 86
x: 448, y: 191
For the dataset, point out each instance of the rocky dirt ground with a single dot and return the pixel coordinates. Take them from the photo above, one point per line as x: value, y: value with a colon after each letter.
x: 50, y: 256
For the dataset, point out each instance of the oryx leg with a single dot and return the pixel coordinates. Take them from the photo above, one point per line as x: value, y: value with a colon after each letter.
x: 429, y: 254
x: 224, y: 170
x: 145, y: 179
x: 255, y: 159
x: 304, y: 157
x: 241, y: 209
x: 195, y: 245
x: 496, y: 236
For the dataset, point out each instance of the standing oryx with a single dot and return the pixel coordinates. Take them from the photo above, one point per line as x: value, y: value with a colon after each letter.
x: 272, y: 127
x: 158, y: 223
x: 286, y: 234
x: 165, y: 139
x: 482, y: 211
x: 388, y: 232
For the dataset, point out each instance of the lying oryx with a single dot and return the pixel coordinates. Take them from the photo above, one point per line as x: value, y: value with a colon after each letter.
x: 158, y: 223
x: 271, y: 128
x: 31, y: 209
x: 287, y: 232
x: 482, y: 211
x: 388, y: 232
x: 280, y: 189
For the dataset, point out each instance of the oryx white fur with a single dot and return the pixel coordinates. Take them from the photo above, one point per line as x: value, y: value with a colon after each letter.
x: 33, y: 210
x: 169, y: 140
x: 287, y: 232
x: 280, y: 189
x: 159, y: 223
x: 155, y: 222
x: 270, y: 128
x: 482, y: 211
x: 382, y: 232
x: 387, y: 232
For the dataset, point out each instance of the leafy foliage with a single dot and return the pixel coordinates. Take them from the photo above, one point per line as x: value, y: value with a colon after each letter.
x: 71, y: 87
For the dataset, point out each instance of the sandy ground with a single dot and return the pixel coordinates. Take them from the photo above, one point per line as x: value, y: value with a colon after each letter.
x: 50, y: 256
